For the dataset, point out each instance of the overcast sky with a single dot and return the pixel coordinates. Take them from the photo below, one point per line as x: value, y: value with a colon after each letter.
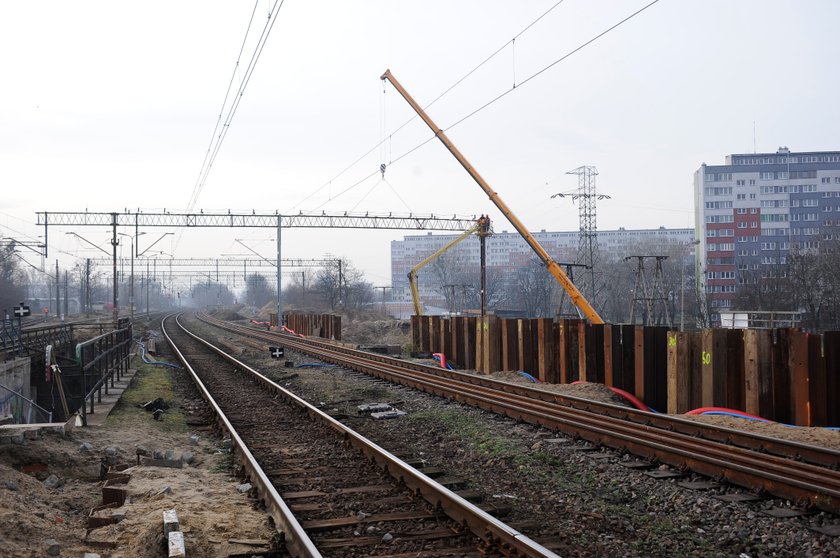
x: 111, y: 105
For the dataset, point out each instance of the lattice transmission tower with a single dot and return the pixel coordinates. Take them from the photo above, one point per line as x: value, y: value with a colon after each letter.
x: 587, y: 196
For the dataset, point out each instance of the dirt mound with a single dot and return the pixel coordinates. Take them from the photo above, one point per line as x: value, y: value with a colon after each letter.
x: 376, y: 332
x: 227, y: 314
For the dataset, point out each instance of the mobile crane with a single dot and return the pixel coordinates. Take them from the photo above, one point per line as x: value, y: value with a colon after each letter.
x: 553, y: 267
x: 481, y: 228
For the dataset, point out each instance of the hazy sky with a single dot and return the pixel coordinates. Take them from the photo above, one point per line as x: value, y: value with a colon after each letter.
x: 111, y: 105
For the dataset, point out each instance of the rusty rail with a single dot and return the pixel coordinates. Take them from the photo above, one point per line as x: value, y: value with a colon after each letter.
x: 494, y: 532
x: 667, y: 439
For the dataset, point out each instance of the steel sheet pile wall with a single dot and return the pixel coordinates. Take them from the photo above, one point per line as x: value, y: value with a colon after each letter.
x: 326, y: 326
x: 783, y: 375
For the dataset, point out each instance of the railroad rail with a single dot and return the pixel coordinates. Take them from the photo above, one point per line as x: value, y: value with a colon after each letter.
x: 800, y: 472
x: 310, y: 470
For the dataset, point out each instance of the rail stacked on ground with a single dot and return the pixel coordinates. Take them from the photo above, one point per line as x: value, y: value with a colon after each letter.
x: 800, y: 472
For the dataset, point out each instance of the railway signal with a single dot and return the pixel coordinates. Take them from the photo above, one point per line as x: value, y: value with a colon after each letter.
x: 21, y: 311
x: 276, y: 352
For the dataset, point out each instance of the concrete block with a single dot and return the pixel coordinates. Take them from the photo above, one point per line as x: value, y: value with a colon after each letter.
x: 53, y: 481
x: 31, y: 434
x: 170, y: 522
x: 243, y: 488
x: 176, y: 545
x: 119, y: 514
x: 52, y: 546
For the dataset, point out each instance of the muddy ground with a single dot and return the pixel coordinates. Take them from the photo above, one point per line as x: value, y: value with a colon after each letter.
x: 204, y: 492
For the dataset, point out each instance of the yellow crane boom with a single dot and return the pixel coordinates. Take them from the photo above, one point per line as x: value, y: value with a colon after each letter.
x: 553, y: 267
x: 481, y: 226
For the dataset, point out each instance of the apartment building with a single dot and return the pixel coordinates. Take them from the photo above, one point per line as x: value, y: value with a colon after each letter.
x: 507, y: 251
x: 752, y: 211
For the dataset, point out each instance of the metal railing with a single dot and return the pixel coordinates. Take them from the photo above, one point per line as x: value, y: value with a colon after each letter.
x: 22, y: 409
x: 11, y: 339
x: 101, y: 360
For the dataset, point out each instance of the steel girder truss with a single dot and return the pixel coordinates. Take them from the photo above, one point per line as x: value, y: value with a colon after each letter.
x: 220, y: 262
x: 344, y: 220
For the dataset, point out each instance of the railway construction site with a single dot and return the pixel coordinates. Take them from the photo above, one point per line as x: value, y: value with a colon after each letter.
x: 328, y: 450
x: 402, y: 313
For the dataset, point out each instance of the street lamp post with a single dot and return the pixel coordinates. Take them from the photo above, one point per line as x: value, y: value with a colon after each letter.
x: 682, y: 284
x: 131, y: 282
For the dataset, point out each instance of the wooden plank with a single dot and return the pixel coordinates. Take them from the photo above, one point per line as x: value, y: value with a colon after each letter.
x: 446, y: 337
x: 608, y: 355
x: 563, y: 351
x: 456, y: 330
x: 639, y: 362
x: 595, y: 352
x: 434, y: 333
x: 735, y: 394
x: 831, y: 349
x: 660, y: 340
x: 469, y: 342
x: 817, y: 385
x: 583, y: 374
x: 781, y: 409
x: 798, y: 359
x: 679, y: 372
x: 751, y: 372
x: 545, y: 352
x: 524, y: 345
x: 627, y: 378
x: 510, y: 344
x: 713, y: 357
x: 492, y: 348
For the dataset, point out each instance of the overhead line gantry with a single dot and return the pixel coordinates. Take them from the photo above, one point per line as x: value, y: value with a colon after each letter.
x: 229, y: 219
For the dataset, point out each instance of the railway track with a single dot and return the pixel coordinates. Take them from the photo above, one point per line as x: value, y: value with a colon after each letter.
x: 329, y: 490
x: 799, y: 472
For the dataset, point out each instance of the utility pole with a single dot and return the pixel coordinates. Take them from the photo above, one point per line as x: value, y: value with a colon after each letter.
x: 279, y: 292
x: 66, y: 295
x: 57, y: 291
x: 87, y: 287
x: 340, y: 280
x: 114, y: 242
x: 483, y: 232
x: 383, y: 296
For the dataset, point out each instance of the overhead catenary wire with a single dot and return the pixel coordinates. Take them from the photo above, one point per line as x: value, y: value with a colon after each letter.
x: 387, y: 138
x: 198, y: 180
x: 220, y: 133
x: 494, y: 99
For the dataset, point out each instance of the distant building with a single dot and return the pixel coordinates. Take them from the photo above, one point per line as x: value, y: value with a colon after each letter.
x: 753, y: 210
x: 507, y: 251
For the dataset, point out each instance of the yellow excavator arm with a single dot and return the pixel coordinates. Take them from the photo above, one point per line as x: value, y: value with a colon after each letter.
x: 574, y: 294
x: 481, y: 224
